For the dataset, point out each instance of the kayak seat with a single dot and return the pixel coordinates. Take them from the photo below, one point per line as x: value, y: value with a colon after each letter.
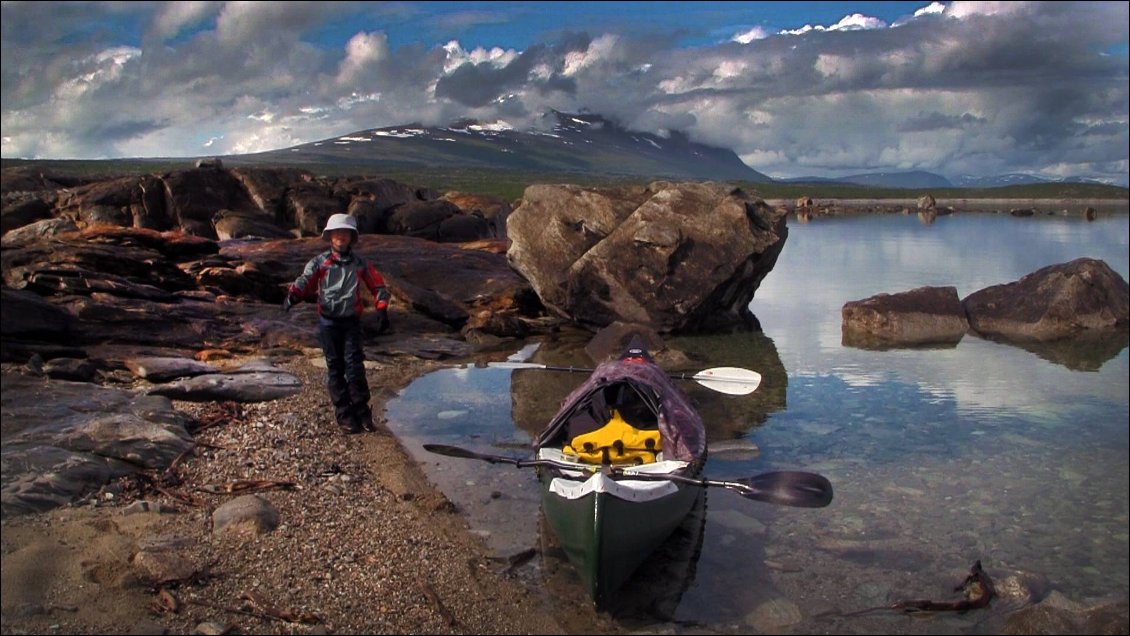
x: 633, y: 407
x: 617, y: 442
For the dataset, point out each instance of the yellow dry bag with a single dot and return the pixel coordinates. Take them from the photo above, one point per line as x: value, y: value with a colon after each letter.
x: 617, y: 442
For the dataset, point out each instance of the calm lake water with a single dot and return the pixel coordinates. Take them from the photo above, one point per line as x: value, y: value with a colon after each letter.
x: 939, y: 457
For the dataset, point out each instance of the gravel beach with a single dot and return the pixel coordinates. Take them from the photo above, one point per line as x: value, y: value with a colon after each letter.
x: 364, y: 545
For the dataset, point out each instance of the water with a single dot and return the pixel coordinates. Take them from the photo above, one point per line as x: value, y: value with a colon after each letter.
x: 939, y: 457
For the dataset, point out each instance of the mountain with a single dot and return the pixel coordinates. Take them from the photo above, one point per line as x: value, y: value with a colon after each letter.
x: 571, y: 143
x: 914, y: 179
x: 969, y: 181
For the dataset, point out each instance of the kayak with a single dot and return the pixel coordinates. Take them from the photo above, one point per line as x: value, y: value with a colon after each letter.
x: 617, y: 466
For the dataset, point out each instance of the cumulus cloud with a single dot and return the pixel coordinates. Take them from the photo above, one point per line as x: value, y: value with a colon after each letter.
x: 977, y: 87
x: 173, y: 17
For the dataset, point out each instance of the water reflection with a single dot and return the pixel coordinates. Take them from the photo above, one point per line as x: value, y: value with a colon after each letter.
x: 658, y: 586
x: 1087, y: 352
x: 939, y: 457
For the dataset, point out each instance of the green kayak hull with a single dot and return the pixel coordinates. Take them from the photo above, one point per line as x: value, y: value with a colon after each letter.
x: 608, y: 538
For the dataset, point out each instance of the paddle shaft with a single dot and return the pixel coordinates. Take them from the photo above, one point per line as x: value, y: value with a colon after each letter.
x: 787, y: 488
x: 731, y: 380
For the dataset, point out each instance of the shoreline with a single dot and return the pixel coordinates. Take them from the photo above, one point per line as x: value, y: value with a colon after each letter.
x: 366, y: 543
x: 1050, y: 206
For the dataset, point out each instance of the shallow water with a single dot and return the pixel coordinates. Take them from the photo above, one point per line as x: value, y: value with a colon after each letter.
x: 939, y: 457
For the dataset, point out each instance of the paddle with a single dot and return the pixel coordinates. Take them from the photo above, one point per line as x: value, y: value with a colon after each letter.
x: 731, y: 380
x: 787, y: 487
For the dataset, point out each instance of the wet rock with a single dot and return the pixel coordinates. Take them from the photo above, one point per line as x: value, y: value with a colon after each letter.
x: 1026, y: 587
x: 773, y: 615
x: 1057, y: 614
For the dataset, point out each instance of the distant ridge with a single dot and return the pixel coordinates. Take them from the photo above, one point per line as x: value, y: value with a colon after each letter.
x: 570, y: 143
x: 914, y: 179
x: 922, y: 179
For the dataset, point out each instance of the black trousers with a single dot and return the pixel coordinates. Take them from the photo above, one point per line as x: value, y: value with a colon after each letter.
x: 342, y: 344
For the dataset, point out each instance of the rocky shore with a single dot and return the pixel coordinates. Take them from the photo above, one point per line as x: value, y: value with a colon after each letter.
x: 364, y: 543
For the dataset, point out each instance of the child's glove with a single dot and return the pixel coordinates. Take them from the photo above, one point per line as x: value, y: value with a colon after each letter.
x: 380, y: 321
x: 382, y: 298
x: 290, y: 301
x: 381, y: 306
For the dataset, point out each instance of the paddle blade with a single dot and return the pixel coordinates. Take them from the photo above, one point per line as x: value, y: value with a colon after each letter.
x: 730, y: 380
x: 454, y: 451
x: 788, y: 488
x: 516, y: 365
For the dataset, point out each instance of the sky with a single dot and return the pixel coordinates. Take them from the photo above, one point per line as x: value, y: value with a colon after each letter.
x: 796, y: 89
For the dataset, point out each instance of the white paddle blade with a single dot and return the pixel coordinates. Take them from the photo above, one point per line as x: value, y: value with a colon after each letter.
x: 515, y: 365
x: 731, y: 380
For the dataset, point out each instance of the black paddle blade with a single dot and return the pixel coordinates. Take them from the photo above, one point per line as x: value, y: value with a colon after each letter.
x: 463, y: 453
x: 789, y: 488
x: 455, y: 451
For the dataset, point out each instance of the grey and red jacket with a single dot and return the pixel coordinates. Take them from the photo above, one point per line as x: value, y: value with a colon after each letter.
x: 335, y: 280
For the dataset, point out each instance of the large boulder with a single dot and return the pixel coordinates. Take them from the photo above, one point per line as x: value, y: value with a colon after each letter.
x: 19, y: 211
x: 38, y: 230
x: 923, y: 316
x: 232, y: 224
x: 28, y: 316
x: 671, y: 256
x: 267, y: 187
x: 437, y: 220
x: 385, y: 192
x: 102, y: 202
x: 494, y: 209
x: 193, y: 197
x: 309, y: 205
x: 1056, y: 302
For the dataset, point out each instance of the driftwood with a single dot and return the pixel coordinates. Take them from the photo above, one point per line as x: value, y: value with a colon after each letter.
x: 241, y: 486
x: 431, y: 595
x: 257, y: 606
x: 977, y: 592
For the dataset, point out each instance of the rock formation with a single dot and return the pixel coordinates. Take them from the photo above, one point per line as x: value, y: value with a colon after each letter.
x: 671, y: 256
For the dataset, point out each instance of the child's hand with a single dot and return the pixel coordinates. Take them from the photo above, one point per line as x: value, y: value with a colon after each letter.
x: 381, y: 322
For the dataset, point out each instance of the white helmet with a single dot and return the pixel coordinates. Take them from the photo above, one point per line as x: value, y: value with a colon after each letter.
x: 340, y: 222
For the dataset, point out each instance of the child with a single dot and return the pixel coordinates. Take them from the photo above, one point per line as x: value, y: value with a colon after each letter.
x: 334, y: 277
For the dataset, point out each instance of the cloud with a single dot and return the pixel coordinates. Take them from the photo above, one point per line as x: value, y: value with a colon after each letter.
x: 174, y: 17
x: 363, y: 50
x: 954, y: 88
